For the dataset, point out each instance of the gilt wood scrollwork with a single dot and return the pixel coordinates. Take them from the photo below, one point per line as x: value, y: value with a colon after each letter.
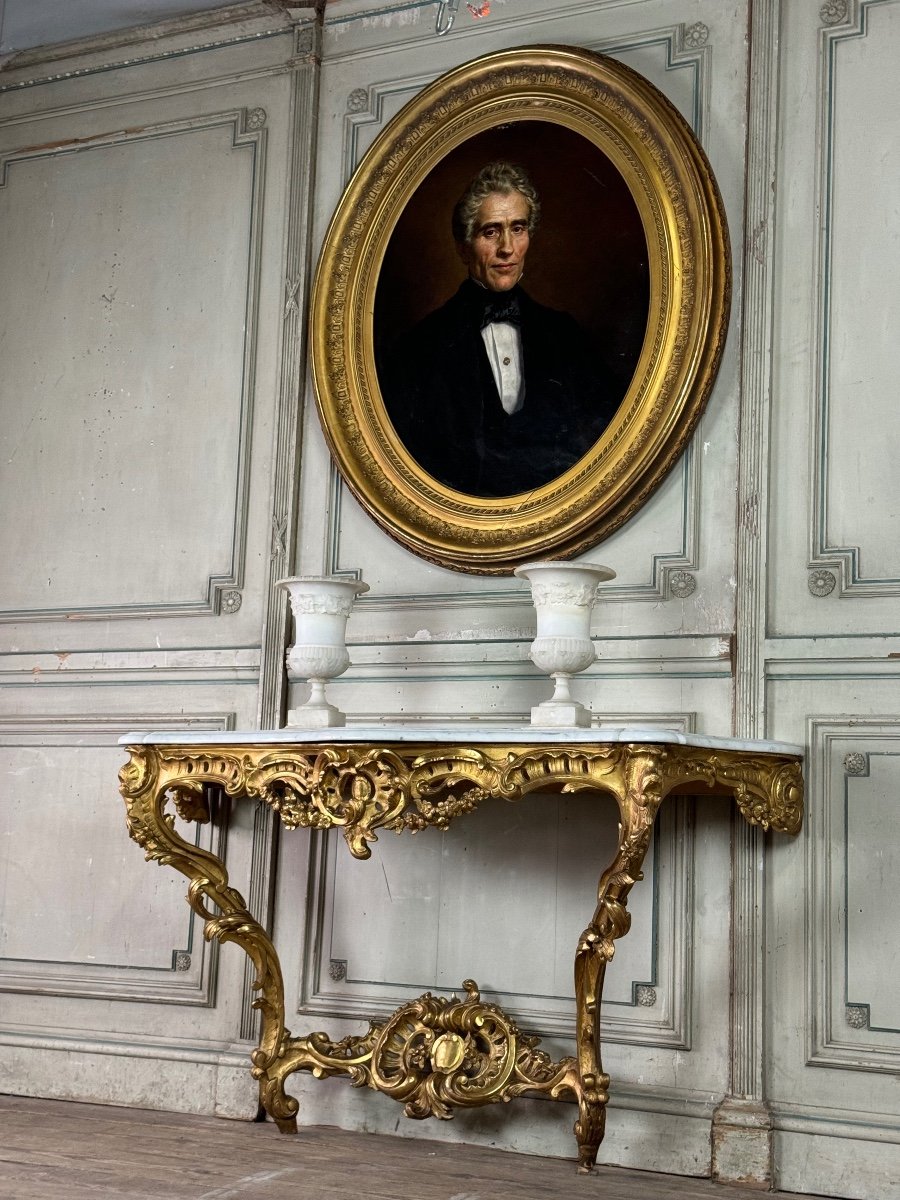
x: 433, y: 1054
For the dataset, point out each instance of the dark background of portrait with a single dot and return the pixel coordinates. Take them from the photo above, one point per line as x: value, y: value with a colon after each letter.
x: 588, y: 256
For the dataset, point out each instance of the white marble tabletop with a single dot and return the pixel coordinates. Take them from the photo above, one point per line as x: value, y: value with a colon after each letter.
x: 466, y: 732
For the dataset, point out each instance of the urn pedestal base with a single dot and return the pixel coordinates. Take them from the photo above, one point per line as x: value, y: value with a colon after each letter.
x: 560, y: 714
x: 325, y: 716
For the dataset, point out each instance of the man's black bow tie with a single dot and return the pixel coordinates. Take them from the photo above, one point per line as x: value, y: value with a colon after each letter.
x: 500, y: 306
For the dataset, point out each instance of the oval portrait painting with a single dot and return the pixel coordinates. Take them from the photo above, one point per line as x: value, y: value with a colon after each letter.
x: 511, y: 309
x: 520, y: 308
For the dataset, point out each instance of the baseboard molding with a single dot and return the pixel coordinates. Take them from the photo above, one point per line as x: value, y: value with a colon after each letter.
x: 212, y: 1053
x: 859, y: 1168
x: 677, y: 1142
x: 655, y: 1129
x: 819, y: 1150
x: 169, y: 1078
x: 820, y: 1121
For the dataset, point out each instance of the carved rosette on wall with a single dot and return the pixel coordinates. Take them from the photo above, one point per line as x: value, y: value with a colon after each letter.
x: 682, y: 584
x: 433, y: 1054
x: 857, y: 1016
x: 230, y: 601
x: 856, y: 763
x: 696, y: 35
x: 358, y: 100
x: 833, y: 12
x: 821, y: 582
x: 254, y: 118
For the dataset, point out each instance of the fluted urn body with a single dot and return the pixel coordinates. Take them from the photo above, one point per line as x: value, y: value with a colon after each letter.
x: 321, y: 605
x: 564, y: 594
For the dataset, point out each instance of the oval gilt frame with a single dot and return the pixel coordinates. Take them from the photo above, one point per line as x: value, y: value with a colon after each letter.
x: 672, y: 186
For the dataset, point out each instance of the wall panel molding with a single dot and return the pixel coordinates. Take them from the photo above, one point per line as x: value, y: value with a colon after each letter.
x: 850, y: 891
x: 239, y: 665
x: 844, y: 25
x: 189, y: 977
x: 147, y: 45
x: 247, y: 133
x: 170, y: 1049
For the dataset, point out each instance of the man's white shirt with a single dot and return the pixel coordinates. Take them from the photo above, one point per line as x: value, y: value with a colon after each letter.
x: 503, y: 343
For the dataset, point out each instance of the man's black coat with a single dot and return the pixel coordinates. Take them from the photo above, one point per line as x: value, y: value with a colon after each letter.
x: 440, y: 395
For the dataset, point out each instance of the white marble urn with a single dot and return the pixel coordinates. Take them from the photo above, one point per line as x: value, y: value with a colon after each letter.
x: 321, y: 605
x: 564, y: 594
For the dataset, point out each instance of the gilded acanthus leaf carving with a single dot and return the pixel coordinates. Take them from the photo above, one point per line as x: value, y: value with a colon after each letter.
x: 436, y: 1054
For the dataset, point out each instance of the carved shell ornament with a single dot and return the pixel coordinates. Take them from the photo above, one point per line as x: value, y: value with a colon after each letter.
x: 570, y: 117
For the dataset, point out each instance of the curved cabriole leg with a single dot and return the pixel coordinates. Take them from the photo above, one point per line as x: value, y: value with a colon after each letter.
x: 590, y: 968
x: 642, y: 797
x: 147, y: 784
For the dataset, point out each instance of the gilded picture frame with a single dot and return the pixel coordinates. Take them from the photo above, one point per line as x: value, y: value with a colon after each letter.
x: 673, y: 281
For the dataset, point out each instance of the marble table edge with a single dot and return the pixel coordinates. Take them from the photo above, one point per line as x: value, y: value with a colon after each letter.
x: 468, y: 732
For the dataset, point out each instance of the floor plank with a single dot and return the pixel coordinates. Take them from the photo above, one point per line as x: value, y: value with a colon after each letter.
x: 53, y: 1150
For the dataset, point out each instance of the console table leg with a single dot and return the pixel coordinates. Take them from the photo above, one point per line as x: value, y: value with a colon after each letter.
x: 637, y: 812
x: 147, y: 786
x: 594, y: 1093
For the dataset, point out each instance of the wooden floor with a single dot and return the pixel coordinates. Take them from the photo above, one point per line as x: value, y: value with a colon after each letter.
x: 51, y: 1150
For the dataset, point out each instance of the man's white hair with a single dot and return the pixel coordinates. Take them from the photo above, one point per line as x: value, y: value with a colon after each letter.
x: 497, y: 177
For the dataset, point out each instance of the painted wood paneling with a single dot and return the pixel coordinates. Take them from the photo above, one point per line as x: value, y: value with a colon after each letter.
x: 161, y: 202
x: 154, y: 194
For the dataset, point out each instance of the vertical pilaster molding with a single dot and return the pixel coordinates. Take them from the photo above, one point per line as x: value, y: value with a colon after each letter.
x: 742, y: 1127
x: 286, y: 458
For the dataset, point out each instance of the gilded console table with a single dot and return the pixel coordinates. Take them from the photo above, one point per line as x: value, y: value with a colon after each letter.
x: 434, y: 1054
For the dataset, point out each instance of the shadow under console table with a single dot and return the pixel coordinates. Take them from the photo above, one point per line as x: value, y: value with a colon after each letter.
x: 434, y: 1054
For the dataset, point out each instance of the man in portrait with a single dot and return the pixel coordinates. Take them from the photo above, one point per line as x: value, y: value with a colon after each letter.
x: 492, y: 393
